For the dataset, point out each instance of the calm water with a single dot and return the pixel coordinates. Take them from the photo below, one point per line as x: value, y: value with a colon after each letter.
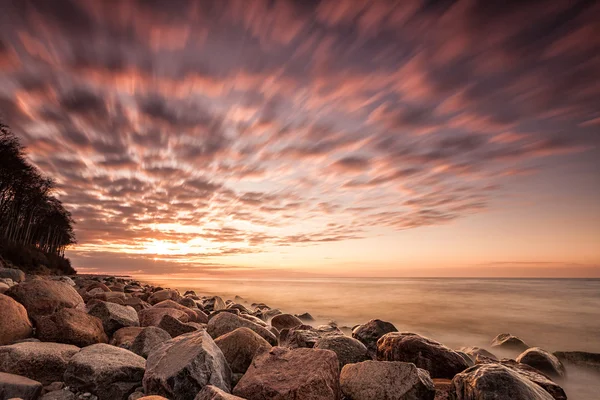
x: 556, y: 314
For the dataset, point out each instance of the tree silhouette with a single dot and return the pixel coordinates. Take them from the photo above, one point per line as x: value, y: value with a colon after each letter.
x: 29, y: 213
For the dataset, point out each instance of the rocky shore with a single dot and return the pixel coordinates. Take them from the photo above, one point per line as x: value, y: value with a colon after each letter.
x: 113, y: 338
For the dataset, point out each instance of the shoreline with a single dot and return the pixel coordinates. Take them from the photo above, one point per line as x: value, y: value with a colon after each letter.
x: 87, y: 320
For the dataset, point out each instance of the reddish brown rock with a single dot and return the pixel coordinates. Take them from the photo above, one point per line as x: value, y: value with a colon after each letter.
x: 15, y: 323
x: 227, y: 322
x: 281, y: 374
x: 162, y: 295
x: 510, y: 342
x: 283, y: 321
x: 72, y: 327
x: 371, y: 332
x: 152, y: 316
x: 114, y: 316
x: 543, y: 361
x: 124, y: 337
x: 210, y: 392
x: 18, y: 387
x: 44, y: 297
x: 437, y: 359
x: 240, y: 347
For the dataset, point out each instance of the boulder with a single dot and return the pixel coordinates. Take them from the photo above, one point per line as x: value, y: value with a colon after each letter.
x: 18, y: 387
x: 282, y: 373
x: 124, y: 337
x: 152, y: 316
x: 306, y: 317
x: 227, y: 322
x: 214, y: 303
x: 162, y: 295
x: 543, y: 361
x: 44, y: 297
x: 370, y: 333
x: 148, y: 339
x: 437, y: 359
x: 109, y: 372
x: 473, y: 352
x: 43, y: 362
x: 175, y: 327
x: 466, y: 357
x: 283, y: 321
x: 4, y: 287
x: 210, y: 392
x: 182, y: 366
x: 347, y: 349
x: 496, y: 382
x: 152, y: 398
x: 390, y: 380
x: 305, y: 336
x: 137, y: 303
x: 71, y: 326
x: 171, y: 304
x: 15, y: 322
x: 114, y: 316
x: 240, y: 347
x: 509, y: 342
x: 444, y: 390
x: 531, y: 374
x: 12, y: 273
x: 582, y: 359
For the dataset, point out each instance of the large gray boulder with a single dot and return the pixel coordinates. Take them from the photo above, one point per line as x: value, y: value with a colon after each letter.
x: 509, y: 342
x: 543, y: 361
x: 496, y: 382
x: 114, y: 316
x: 42, y: 362
x: 109, y: 372
x: 370, y: 333
x: 148, y: 339
x: 44, y: 297
x: 240, y: 347
x: 182, y: 366
x: 390, y: 380
x: 71, y: 326
x: 282, y: 373
x: 437, y: 359
x: 15, y: 324
x: 12, y: 273
x: 227, y: 322
x: 153, y: 316
x: 18, y: 387
x: 210, y: 392
x: 347, y: 349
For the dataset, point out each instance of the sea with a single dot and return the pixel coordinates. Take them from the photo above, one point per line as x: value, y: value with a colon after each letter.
x: 555, y: 314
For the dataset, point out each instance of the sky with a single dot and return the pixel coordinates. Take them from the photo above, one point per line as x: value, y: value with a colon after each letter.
x: 314, y: 138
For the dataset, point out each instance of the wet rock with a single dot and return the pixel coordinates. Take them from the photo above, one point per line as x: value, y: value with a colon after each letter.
x: 305, y: 336
x: 210, y: 392
x: 580, y: 358
x: 114, y: 316
x: 439, y: 360
x: 473, y: 352
x: 18, y: 387
x: 152, y: 316
x: 182, y: 366
x: 496, y: 382
x: 148, y: 339
x: 370, y: 333
x: 391, y: 380
x: 15, y: 323
x: 240, y: 347
x: 227, y: 322
x: 347, y: 349
x: 72, y: 327
x: 12, y: 273
x: 283, y: 321
x: 43, y: 362
x: 175, y: 327
x: 543, y: 361
x: 162, y: 295
x: 305, y: 317
x: 109, y: 372
x: 44, y: 297
x: 509, y: 342
x: 531, y: 374
x: 465, y: 357
x: 124, y: 337
x: 281, y: 373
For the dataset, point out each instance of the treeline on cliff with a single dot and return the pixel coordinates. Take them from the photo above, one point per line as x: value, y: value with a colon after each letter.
x: 35, y: 227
